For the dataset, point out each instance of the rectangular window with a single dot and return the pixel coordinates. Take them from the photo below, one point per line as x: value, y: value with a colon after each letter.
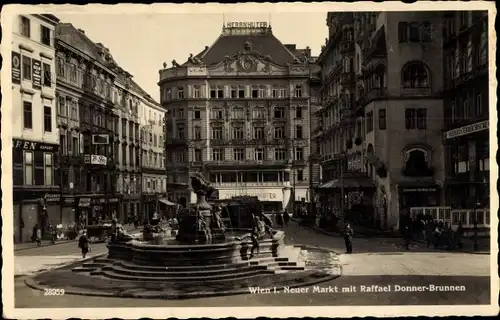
x: 197, y: 114
x: 298, y: 132
x: 45, y: 35
x: 180, y: 113
x: 241, y: 93
x: 382, y: 120
x: 234, y: 92
x: 299, y: 154
x: 76, y: 146
x: 369, y: 122
x: 28, y: 115
x: 258, y: 133
x: 217, y: 133
x: 479, y: 104
x: 298, y: 91
x: 213, y: 93
x: 238, y: 133
x: 197, y: 133
x: 300, y: 175
x: 217, y: 114
x: 262, y: 92
x: 279, y: 154
x: 28, y: 168
x: 403, y: 32
x: 26, y: 68
x: 275, y: 92
x: 47, y: 119
x: 282, y: 93
x: 414, y: 32
x: 60, y: 67
x: 255, y: 93
x: 25, y: 27
x: 279, y: 112
x: 259, y: 154
x: 217, y: 155
x: 49, y: 169
x: 259, y: 113
x: 197, y: 155
x: 239, y: 154
x: 421, y: 118
x: 47, y: 75
x: 298, y: 113
x: 220, y: 93
x: 180, y: 93
x: 410, y: 115
x: 196, y: 92
x: 180, y: 132
x: 238, y: 113
x: 279, y: 133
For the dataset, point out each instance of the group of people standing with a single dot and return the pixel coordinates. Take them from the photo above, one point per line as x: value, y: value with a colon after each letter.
x: 434, y: 232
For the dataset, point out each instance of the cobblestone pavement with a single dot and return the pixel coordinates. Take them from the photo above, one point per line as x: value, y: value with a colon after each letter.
x: 375, y: 262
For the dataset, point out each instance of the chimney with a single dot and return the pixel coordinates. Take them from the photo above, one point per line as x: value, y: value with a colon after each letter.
x: 81, y: 31
x: 308, y: 51
x: 206, y: 48
x: 291, y: 47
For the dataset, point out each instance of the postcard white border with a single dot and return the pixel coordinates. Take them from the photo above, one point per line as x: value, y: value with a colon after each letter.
x: 247, y: 312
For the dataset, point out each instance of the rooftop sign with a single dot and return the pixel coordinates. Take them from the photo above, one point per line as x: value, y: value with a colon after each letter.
x: 244, y: 25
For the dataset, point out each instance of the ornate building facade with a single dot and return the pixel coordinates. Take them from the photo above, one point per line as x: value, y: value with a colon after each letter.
x: 395, y: 120
x: 466, y: 110
x: 87, y: 121
x: 35, y: 136
x: 239, y: 112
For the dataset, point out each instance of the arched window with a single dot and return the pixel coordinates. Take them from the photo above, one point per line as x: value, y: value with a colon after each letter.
x: 415, y: 75
x: 416, y: 163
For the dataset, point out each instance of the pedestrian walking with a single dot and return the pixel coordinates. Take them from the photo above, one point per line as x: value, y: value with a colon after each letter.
x: 286, y: 218
x: 84, y: 244
x: 348, y: 234
x: 407, y: 233
x: 459, y: 232
x: 38, y: 236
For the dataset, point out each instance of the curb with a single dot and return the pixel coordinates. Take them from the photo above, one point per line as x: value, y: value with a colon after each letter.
x: 43, y: 246
x: 31, y: 283
x: 482, y: 252
x: 56, y: 267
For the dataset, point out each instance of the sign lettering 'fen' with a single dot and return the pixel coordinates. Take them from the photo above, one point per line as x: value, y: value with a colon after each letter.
x: 465, y: 130
x: 33, y: 145
x: 243, y: 25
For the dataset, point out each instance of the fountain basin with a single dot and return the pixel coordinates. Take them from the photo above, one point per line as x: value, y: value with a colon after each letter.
x: 227, y: 252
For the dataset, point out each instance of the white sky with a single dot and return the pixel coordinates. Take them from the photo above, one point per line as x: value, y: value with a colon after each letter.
x: 140, y: 43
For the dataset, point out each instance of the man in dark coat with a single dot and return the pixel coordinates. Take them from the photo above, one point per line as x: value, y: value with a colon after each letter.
x: 348, y: 234
x: 84, y: 244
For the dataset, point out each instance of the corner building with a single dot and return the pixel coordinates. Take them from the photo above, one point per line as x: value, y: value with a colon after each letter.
x: 399, y: 110
x: 35, y: 136
x: 239, y: 113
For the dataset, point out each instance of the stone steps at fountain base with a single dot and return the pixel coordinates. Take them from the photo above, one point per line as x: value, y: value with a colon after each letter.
x: 201, y: 275
x: 241, y: 275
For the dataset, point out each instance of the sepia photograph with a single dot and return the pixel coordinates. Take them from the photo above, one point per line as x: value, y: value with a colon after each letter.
x: 251, y: 160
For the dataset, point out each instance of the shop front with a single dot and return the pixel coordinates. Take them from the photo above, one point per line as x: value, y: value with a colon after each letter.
x: 417, y: 195
x: 272, y: 199
x: 34, y: 207
x: 150, y: 204
x: 92, y: 209
x: 68, y: 210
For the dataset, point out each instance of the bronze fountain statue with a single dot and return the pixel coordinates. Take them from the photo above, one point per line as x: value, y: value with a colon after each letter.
x: 201, y: 224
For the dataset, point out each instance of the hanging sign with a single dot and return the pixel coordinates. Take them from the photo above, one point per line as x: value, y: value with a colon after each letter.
x: 16, y: 68
x: 37, y: 74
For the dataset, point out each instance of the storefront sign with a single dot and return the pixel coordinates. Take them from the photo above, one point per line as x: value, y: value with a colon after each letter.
x: 419, y: 189
x: 113, y: 200
x: 84, y: 202
x: 465, y: 130
x: 242, y: 25
x: 95, y: 159
x: 68, y: 200
x: 36, y: 74
x: 262, y: 195
x: 33, y: 145
x: 16, y: 68
x: 100, y: 139
x: 52, y: 197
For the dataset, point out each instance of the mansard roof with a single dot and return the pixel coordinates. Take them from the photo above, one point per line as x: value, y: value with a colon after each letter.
x: 230, y: 42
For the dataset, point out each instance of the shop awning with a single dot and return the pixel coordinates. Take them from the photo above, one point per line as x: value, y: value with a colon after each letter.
x: 350, y: 183
x: 166, y: 201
